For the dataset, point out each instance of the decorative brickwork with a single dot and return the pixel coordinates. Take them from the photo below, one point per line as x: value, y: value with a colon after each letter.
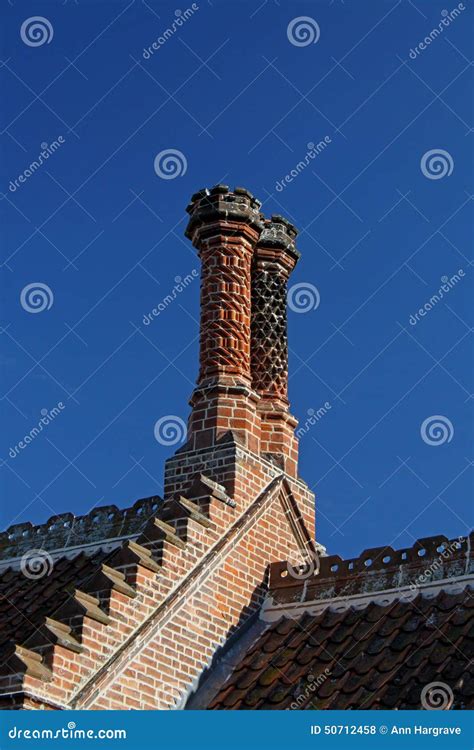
x: 135, y: 607
x: 145, y: 623
x: 66, y: 530
x: 136, y: 603
x: 274, y: 259
x: 224, y: 227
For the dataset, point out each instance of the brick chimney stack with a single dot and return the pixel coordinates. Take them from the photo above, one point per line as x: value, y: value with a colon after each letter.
x: 224, y: 227
x: 274, y: 259
x: 240, y: 430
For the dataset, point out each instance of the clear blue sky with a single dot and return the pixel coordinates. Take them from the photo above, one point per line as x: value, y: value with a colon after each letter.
x: 104, y: 232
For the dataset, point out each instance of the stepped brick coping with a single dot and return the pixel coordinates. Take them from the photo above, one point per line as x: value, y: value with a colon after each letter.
x: 105, y: 527
x: 21, y: 658
x: 176, y: 599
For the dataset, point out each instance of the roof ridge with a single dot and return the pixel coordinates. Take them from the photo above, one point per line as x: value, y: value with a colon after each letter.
x: 67, y: 530
x: 332, y: 568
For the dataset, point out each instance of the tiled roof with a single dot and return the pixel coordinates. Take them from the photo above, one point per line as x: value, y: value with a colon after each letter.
x: 368, y: 633
x: 378, y: 657
x: 47, y: 591
x: 71, y: 549
x: 25, y: 602
x: 360, y: 639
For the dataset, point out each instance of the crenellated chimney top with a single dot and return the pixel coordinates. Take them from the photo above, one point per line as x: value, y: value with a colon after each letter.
x: 279, y: 232
x: 221, y: 204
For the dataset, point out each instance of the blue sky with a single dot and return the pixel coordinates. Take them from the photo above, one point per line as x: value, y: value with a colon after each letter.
x: 233, y: 93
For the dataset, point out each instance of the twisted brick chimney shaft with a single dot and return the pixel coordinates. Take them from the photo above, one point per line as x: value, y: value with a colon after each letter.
x: 243, y: 378
x: 224, y: 227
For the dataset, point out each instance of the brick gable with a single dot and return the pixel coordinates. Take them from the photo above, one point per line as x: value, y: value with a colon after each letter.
x: 143, y: 622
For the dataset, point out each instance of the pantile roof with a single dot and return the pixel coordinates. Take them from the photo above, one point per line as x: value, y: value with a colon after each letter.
x: 354, y: 636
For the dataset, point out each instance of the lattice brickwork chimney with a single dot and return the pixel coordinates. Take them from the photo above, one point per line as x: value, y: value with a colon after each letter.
x: 240, y: 431
x: 274, y: 258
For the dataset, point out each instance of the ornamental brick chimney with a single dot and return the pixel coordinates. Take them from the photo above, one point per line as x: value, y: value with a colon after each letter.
x: 240, y: 430
x: 274, y: 258
x: 224, y: 227
x: 135, y: 615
